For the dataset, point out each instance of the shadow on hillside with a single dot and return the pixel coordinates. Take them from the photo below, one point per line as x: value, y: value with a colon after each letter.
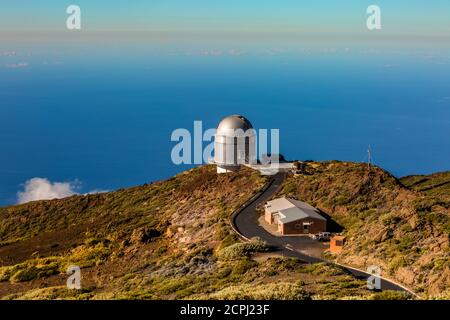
x: 435, y: 186
x: 332, y: 226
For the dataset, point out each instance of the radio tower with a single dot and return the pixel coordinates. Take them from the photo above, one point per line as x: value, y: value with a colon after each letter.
x: 369, y: 157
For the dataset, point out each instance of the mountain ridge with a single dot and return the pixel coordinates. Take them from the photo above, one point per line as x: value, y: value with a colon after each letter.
x: 387, y: 223
x: 154, y: 241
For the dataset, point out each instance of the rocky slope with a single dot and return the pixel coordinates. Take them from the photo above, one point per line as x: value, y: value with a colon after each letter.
x: 167, y: 240
x: 401, y: 225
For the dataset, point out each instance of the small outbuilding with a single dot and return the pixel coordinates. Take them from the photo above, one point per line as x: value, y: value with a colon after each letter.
x: 336, y: 244
x: 294, y: 217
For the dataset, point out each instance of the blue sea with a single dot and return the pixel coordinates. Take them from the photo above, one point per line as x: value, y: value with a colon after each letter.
x: 102, y: 113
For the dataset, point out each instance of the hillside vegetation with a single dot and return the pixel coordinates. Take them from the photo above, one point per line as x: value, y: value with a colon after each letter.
x: 166, y: 240
x: 401, y: 225
x: 434, y: 185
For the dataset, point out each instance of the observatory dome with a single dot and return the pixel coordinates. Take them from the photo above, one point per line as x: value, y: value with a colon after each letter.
x: 235, y: 143
x: 233, y: 122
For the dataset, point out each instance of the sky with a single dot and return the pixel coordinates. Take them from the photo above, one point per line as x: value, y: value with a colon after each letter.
x: 93, y: 110
x: 400, y: 17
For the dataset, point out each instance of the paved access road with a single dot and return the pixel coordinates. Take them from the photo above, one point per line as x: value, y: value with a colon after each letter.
x: 246, y: 223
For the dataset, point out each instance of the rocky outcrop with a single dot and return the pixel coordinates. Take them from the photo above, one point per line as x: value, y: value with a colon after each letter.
x: 404, y: 231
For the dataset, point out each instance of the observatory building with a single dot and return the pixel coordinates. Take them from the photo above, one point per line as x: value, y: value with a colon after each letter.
x: 235, y: 144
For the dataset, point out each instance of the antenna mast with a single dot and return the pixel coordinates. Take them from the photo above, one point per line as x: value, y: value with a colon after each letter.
x: 369, y: 157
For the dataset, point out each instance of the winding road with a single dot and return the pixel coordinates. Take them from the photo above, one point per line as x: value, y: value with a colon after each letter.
x: 245, y: 222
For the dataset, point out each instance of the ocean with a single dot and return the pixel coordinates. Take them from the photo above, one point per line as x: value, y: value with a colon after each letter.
x: 102, y: 114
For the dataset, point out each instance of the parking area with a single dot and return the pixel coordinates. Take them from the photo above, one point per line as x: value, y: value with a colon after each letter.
x: 299, y: 243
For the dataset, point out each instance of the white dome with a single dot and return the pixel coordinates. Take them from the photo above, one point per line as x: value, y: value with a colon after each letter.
x: 235, y: 143
x: 232, y: 123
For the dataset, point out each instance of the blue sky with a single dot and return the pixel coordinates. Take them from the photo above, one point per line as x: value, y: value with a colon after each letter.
x: 400, y: 17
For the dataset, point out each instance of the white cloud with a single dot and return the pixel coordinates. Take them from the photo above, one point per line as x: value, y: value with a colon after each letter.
x: 95, y: 191
x: 43, y: 189
x: 8, y: 53
x: 443, y: 100
x: 211, y: 53
x: 230, y: 52
x: 236, y: 53
x: 17, y: 65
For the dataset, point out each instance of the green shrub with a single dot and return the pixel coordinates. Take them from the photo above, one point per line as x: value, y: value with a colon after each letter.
x: 161, y: 250
x: 390, y: 219
x: 30, y: 270
x: 407, y: 228
x: 8, y: 272
x: 272, y: 291
x: 244, y: 265
x: 290, y: 188
x: 222, y: 208
x: 241, y: 250
x: 228, y: 241
x: 406, y: 243
x: 395, y: 263
x: 25, y: 275
x: 222, y: 231
x: 84, y: 256
x: 342, y: 200
x: 390, y: 295
x: 223, y: 272
x: 350, y: 284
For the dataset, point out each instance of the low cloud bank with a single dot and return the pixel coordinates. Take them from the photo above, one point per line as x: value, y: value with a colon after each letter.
x: 17, y: 65
x: 43, y: 189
